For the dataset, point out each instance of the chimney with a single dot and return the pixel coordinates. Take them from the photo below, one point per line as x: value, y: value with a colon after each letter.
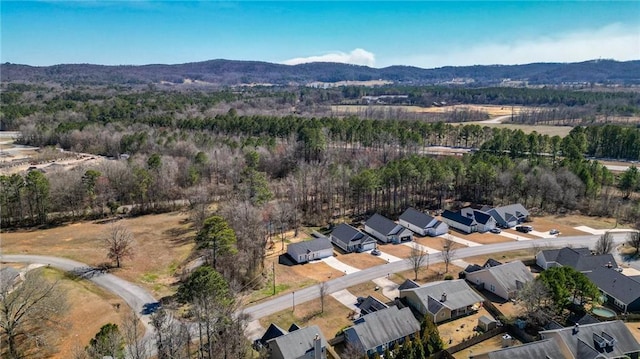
x: 576, y: 328
x: 444, y: 297
x: 317, y: 347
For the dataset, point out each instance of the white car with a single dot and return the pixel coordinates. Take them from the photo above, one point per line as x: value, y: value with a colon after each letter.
x: 554, y: 232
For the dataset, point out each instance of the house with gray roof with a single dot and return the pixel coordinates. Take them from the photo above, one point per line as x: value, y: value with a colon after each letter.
x: 620, y: 291
x: 458, y: 221
x: 508, y: 216
x: 503, y: 280
x: 579, y: 259
x: 375, y: 332
x: 386, y: 230
x: 443, y: 300
x: 306, y: 251
x: 422, y: 223
x: 350, y: 239
x: 303, y: 343
x: 595, y: 341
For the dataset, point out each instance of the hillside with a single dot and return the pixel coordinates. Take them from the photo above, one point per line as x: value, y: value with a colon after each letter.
x: 229, y: 72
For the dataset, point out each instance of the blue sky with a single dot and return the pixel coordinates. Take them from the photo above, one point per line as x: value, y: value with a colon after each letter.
x: 418, y: 33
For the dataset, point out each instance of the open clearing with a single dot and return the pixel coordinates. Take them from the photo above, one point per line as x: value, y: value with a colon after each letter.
x: 491, y: 110
x: 362, y: 260
x: 90, y: 307
x: 162, y: 244
x: 488, y: 345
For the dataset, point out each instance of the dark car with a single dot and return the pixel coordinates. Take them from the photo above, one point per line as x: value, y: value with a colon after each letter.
x: 495, y: 230
x: 524, y: 229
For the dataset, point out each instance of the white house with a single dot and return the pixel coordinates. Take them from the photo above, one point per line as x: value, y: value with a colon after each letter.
x: 387, y: 231
x: 306, y: 251
x: 422, y: 223
x: 458, y: 221
x: 503, y: 280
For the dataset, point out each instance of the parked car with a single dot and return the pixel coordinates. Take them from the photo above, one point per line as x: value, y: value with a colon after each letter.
x: 554, y: 231
x: 495, y: 230
x: 524, y: 229
x: 375, y: 252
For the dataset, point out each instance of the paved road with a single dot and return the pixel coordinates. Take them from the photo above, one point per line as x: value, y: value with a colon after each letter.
x: 136, y: 297
x: 285, y: 301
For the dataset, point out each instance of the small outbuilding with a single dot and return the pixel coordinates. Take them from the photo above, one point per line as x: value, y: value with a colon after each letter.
x: 485, y: 323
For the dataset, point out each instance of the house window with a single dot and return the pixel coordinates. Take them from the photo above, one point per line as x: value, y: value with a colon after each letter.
x: 493, y: 288
x: 619, y: 304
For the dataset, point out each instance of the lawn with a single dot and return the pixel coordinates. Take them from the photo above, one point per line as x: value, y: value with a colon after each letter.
x: 335, y: 316
x: 368, y: 289
x: 163, y: 243
x: 455, y: 331
x: 361, y: 260
x: 486, y: 346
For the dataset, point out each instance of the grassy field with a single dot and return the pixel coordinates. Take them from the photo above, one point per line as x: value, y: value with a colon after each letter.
x: 491, y: 110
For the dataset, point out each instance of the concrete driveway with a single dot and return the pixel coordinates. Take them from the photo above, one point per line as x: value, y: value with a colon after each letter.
x: 389, y: 288
x: 336, y: 264
x: 347, y: 299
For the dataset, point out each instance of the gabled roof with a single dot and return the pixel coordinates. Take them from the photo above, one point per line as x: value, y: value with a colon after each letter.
x: 481, y: 217
x: 347, y: 234
x: 581, y: 341
x: 370, y: 305
x: 299, y: 342
x: 580, y: 259
x: 541, y: 349
x: 458, y: 293
x: 508, y: 275
x: 457, y: 217
x: 473, y: 268
x: 383, y: 225
x: 407, y: 284
x: 517, y: 211
x: 314, y: 245
x: 293, y: 327
x: 272, y: 332
x: 491, y: 263
x: 615, y: 284
x: 584, y: 319
x: 416, y: 218
x: 383, y: 327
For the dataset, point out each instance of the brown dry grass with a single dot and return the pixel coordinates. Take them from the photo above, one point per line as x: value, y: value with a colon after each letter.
x: 551, y: 131
x: 634, y: 327
x: 437, y: 243
x: 361, y: 260
x: 503, y: 257
x: 162, y: 244
x: 574, y: 220
x: 368, y: 289
x: 486, y: 346
x: 435, y: 272
x: 90, y: 307
x: 492, y: 110
x: 487, y: 238
x: 455, y: 331
x: 398, y: 250
x: 565, y: 226
x: 335, y: 317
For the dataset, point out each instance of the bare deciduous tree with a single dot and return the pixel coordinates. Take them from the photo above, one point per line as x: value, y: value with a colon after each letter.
x: 449, y: 248
x: 417, y: 258
x: 119, y: 243
x: 172, y: 336
x: 605, y: 244
x: 537, y: 302
x: 133, y: 332
x: 29, y: 313
x: 633, y: 240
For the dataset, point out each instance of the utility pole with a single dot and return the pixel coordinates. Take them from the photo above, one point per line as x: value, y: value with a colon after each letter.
x: 293, y: 298
x: 273, y: 271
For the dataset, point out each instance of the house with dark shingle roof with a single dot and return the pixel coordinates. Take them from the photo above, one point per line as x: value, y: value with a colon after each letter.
x: 302, y: 343
x: 458, y: 221
x: 602, y: 340
x: 386, y: 230
x: 370, y: 305
x: 443, y: 300
x: 375, y: 332
x: 620, y: 291
x: 350, y: 239
x: 306, y: 251
x: 422, y: 223
x: 503, y: 280
x: 508, y: 216
x: 483, y: 219
x: 579, y: 259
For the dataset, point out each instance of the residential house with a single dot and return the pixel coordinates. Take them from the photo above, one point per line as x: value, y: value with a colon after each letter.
x: 273, y: 331
x: 474, y: 267
x: 579, y: 259
x: 620, y: 291
x: 503, y: 280
x: 602, y: 340
x: 306, y: 251
x: 303, y: 343
x: 508, y: 216
x: 350, y: 239
x: 595, y: 341
x: 458, y: 221
x: 484, y: 221
x: 386, y: 231
x: 422, y: 223
x: 443, y: 300
x: 407, y: 284
x: 370, y: 304
x: 374, y: 332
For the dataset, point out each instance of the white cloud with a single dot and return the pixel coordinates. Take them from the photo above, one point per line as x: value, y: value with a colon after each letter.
x: 355, y: 57
x: 610, y: 42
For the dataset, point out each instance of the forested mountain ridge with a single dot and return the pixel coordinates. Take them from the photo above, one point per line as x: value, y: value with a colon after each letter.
x: 230, y: 72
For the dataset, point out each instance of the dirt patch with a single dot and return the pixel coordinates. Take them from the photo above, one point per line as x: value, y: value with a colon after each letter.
x: 361, y: 260
x: 163, y: 243
x: 634, y: 327
x: 456, y: 331
x: 335, y: 316
x: 489, y: 345
x: 90, y: 307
